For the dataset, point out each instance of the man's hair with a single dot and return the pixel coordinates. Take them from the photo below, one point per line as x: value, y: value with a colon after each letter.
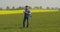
x: 26, y: 6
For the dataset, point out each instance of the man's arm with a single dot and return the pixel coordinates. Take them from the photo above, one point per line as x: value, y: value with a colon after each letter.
x: 27, y: 11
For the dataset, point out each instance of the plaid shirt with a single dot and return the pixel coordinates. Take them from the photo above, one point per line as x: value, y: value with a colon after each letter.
x: 28, y: 11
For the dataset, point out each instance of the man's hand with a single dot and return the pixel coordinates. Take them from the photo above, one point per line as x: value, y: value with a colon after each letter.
x: 29, y: 13
x: 26, y: 12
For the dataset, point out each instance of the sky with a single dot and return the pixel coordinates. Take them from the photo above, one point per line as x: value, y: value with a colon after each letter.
x: 17, y: 3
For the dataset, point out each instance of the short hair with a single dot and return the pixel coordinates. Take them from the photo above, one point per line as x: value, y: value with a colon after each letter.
x: 26, y: 6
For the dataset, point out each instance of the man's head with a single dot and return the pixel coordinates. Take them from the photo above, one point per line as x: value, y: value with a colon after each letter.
x: 27, y: 7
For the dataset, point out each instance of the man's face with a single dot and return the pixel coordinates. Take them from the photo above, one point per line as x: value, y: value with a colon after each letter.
x: 27, y: 7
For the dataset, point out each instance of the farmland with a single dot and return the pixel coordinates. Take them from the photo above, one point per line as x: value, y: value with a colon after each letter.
x: 21, y: 11
x: 44, y: 21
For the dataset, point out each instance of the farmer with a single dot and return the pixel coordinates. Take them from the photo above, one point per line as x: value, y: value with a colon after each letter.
x: 27, y: 15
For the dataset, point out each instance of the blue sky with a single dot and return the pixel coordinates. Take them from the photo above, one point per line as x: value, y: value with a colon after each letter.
x: 16, y: 3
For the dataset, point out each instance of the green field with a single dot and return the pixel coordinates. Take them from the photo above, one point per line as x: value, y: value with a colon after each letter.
x: 40, y: 22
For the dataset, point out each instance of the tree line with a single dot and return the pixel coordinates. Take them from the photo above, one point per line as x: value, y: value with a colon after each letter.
x: 36, y: 7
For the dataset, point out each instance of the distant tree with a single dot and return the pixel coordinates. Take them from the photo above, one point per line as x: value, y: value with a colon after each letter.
x: 20, y: 8
x: 7, y: 8
x: 52, y: 8
x: 41, y: 7
x: 36, y: 7
x: 13, y: 8
x: 0, y: 8
x: 48, y: 8
x: 59, y: 9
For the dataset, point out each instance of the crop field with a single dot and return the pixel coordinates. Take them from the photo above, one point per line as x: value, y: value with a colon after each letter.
x: 41, y: 21
x: 21, y: 11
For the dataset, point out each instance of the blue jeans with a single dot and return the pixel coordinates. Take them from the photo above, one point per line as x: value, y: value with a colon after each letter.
x: 26, y: 17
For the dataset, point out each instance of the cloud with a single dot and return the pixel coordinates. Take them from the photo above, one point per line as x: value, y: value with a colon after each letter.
x: 50, y: 3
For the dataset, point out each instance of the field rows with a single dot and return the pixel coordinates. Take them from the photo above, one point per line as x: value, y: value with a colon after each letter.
x: 21, y: 11
x: 40, y: 22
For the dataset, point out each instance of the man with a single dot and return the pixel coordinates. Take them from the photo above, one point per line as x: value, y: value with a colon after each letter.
x: 27, y: 15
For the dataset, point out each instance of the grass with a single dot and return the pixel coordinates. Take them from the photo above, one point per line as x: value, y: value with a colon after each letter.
x: 46, y: 22
x: 40, y: 22
x: 10, y: 23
